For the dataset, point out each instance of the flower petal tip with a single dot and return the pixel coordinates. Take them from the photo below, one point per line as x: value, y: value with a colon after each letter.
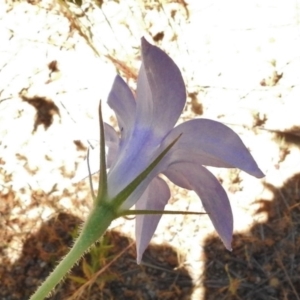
x: 252, y: 168
x: 257, y: 172
x: 145, y: 44
x: 138, y: 260
x: 260, y: 174
x: 227, y: 242
x: 227, y: 246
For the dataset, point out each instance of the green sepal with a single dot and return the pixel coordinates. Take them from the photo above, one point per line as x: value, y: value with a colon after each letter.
x: 128, y: 190
x: 102, y: 187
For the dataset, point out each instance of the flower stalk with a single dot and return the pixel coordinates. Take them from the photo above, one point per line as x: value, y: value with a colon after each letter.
x: 95, y: 226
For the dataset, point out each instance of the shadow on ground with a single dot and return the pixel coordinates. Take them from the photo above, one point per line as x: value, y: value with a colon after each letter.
x: 265, y: 262
x: 104, y: 274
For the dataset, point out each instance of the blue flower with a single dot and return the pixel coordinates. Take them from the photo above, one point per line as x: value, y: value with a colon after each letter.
x: 146, y: 124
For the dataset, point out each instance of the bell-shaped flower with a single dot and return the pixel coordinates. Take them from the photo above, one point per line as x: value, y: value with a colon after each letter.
x: 146, y: 124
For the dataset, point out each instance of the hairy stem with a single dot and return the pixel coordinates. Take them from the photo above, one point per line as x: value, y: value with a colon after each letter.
x: 97, y: 223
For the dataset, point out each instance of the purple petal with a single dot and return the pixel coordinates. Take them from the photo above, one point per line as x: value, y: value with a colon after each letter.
x: 211, y: 143
x: 112, y: 143
x: 133, y: 158
x: 161, y: 92
x: 155, y: 197
x: 160, y: 100
x: 193, y: 176
x: 121, y: 100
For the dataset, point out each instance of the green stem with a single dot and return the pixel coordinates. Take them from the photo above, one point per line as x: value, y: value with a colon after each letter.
x: 95, y: 226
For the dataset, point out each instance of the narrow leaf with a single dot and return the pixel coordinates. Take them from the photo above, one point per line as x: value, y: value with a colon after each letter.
x: 87, y: 269
x: 159, y: 212
x: 77, y: 279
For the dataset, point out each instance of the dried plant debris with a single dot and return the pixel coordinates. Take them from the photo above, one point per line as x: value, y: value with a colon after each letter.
x: 197, y: 106
x: 54, y: 73
x: 259, y: 119
x: 45, y: 110
x: 272, y: 80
